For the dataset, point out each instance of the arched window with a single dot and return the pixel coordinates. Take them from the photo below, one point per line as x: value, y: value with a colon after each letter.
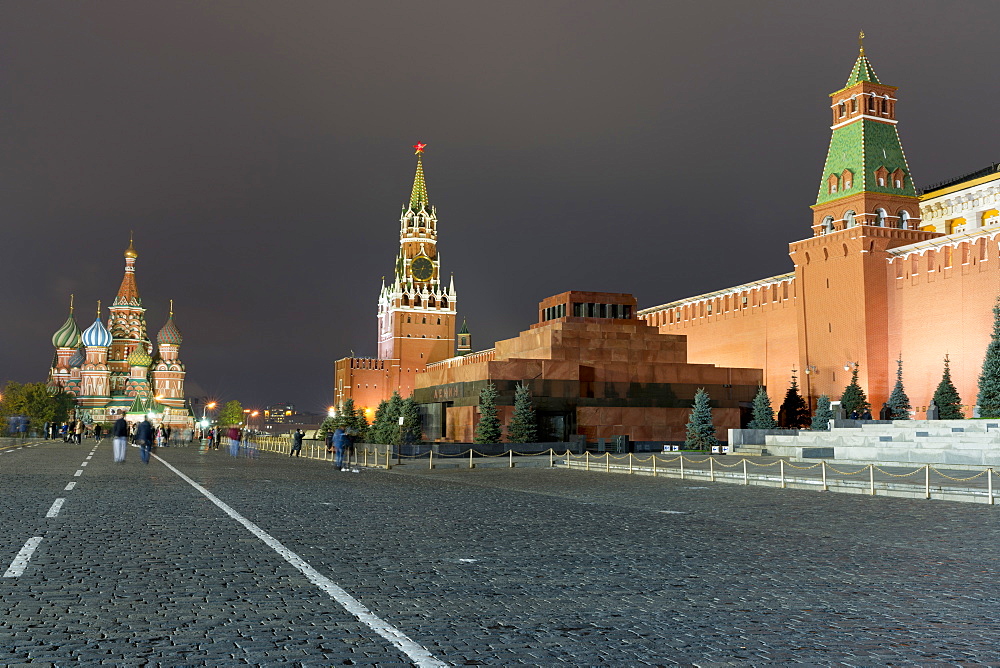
x: 904, y: 220
x: 827, y: 225
x: 444, y: 302
x: 405, y: 301
x: 849, y: 219
x: 431, y: 302
x: 842, y: 108
x: 417, y: 302
x: 880, y: 217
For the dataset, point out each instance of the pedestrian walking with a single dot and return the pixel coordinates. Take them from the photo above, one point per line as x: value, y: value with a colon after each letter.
x: 98, y: 430
x: 234, y: 441
x: 144, y: 437
x: 119, y: 435
x: 297, y: 442
x: 339, y: 444
x: 78, y: 432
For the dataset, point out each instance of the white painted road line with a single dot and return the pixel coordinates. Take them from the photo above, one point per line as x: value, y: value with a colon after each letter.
x: 21, y: 560
x: 70, y: 486
x: 78, y: 473
x: 417, y: 653
x: 84, y: 463
x: 54, y: 510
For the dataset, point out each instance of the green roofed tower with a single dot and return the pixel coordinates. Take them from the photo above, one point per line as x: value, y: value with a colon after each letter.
x: 866, y: 180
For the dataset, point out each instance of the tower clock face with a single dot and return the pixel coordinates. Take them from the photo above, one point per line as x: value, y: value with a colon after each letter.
x: 422, y: 268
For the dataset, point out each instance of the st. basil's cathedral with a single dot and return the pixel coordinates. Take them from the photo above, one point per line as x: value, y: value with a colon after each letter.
x: 111, y: 367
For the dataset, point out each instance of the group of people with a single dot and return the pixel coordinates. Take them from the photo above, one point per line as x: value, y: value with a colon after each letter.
x: 143, y: 434
x: 341, y: 441
x: 73, y: 431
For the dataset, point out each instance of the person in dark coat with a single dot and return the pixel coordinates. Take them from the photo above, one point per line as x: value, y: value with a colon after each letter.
x: 144, y: 437
x: 119, y: 437
x: 297, y: 442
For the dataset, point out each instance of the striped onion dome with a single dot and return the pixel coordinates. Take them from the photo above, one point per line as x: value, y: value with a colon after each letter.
x: 68, y: 336
x: 97, y: 335
x: 78, y: 358
x: 139, y: 357
x: 169, y: 335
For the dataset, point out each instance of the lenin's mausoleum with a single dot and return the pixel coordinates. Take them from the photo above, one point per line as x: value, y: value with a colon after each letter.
x: 887, y: 272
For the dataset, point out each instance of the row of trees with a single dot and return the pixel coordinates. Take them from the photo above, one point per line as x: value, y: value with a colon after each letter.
x: 35, y: 402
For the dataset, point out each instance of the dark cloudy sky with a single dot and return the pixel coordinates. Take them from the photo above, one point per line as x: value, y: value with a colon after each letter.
x: 261, y: 153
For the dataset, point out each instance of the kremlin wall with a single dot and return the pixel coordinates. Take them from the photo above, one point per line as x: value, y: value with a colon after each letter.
x: 885, y: 272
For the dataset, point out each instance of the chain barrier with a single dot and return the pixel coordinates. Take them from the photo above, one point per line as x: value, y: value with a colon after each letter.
x: 900, y: 475
x: 800, y: 468
x: 945, y: 475
x: 831, y: 468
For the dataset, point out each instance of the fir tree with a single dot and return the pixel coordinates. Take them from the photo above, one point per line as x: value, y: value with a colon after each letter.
x: 412, y: 426
x: 854, y: 398
x: 488, y: 430
x: 763, y: 414
x: 522, y: 427
x: 794, y: 411
x: 386, y: 427
x: 352, y: 420
x: 899, y: 403
x: 946, y: 396
x: 823, y: 415
x: 700, y: 430
x: 376, y: 431
x: 989, y: 379
x: 329, y: 425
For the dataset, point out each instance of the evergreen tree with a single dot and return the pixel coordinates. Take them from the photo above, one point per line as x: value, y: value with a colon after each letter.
x: 899, y: 403
x: 854, y: 399
x: 763, y: 414
x: 412, y: 427
x: 946, y: 396
x: 35, y: 402
x: 794, y: 410
x: 231, y: 413
x: 488, y: 429
x: 700, y: 430
x: 989, y: 379
x: 386, y: 428
x: 378, y: 424
x: 823, y: 415
x: 522, y: 428
x: 329, y: 425
x: 352, y: 419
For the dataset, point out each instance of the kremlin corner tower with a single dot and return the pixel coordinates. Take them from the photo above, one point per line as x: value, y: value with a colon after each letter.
x: 111, y: 367
x: 416, y: 311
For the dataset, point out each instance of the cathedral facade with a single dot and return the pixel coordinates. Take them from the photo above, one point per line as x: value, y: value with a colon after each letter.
x: 416, y: 312
x: 111, y: 367
x: 888, y: 273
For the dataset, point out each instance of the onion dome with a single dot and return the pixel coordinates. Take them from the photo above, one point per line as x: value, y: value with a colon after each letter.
x: 130, y: 251
x: 139, y: 357
x: 170, y: 335
x: 97, y: 335
x: 78, y: 358
x: 68, y: 336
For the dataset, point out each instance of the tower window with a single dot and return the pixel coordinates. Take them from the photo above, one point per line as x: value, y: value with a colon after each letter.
x: 854, y: 105
x: 407, y: 318
x: 423, y: 321
x: 843, y: 109
x: 881, y: 181
x: 899, y: 184
x: 439, y: 321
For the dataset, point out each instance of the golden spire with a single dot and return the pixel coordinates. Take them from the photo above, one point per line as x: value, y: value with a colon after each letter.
x: 861, y: 42
x: 98, y: 309
x: 130, y: 252
x: 71, y: 303
x: 171, y: 308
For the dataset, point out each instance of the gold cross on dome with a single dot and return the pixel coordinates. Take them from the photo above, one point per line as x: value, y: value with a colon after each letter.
x: 861, y: 41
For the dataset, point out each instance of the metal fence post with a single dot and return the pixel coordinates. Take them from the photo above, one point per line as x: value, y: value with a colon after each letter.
x: 682, y: 467
x: 782, y: 466
x: 871, y: 477
x: 552, y: 458
x: 823, y: 463
x: 511, y: 458
x: 607, y: 462
x: 989, y: 485
x: 746, y: 480
x: 711, y: 467
x: 630, y: 463
x: 927, y: 481
x: 654, y: 466
x: 587, y: 460
x: 471, y: 465
x: 430, y: 460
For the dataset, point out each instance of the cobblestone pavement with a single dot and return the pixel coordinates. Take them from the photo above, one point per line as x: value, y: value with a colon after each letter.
x: 484, y: 567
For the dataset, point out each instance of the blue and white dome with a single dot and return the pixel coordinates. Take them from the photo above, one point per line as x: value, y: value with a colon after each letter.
x: 97, y: 335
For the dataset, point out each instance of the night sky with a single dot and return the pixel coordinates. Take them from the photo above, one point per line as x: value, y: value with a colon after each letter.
x: 261, y: 153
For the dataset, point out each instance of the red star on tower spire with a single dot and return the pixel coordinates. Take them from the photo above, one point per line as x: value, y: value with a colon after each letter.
x: 420, y: 148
